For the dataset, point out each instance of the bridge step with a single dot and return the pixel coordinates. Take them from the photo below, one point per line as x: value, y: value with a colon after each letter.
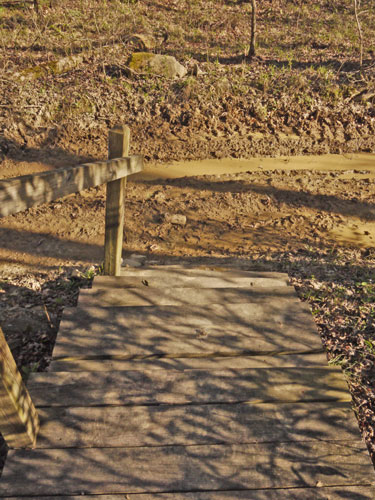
x: 180, y: 271
x: 277, y: 326
x: 191, y: 384
x: 98, y: 362
x: 121, y: 426
x: 306, y: 493
x: 187, y: 468
x: 145, y: 296
x: 187, y: 279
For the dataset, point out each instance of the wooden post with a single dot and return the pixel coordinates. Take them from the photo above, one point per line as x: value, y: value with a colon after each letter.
x: 19, y: 423
x: 118, y: 147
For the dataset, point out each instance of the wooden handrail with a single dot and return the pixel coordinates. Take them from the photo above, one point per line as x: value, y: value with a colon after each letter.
x: 19, y: 422
x: 20, y: 193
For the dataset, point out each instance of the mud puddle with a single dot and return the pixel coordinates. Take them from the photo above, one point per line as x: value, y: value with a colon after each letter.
x: 348, y: 166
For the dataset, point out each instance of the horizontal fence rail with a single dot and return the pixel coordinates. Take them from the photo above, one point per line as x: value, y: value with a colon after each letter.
x: 20, y: 193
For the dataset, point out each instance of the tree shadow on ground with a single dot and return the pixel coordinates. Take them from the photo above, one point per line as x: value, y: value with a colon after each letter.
x: 261, y: 61
x: 188, y: 435
x: 193, y: 419
x: 294, y: 198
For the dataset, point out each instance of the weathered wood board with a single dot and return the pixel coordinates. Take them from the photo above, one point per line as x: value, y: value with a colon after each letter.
x: 114, y: 226
x: 19, y: 193
x: 19, y: 422
x: 308, y: 493
x: 180, y: 468
x: 180, y: 271
x: 194, y: 386
x: 131, y: 297
x: 97, y: 363
x: 118, y: 147
x: 182, y: 296
x: 188, y: 281
x: 241, y: 423
x: 187, y: 331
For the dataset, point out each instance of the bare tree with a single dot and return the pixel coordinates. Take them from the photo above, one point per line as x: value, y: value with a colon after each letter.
x: 253, y: 32
x: 359, y: 28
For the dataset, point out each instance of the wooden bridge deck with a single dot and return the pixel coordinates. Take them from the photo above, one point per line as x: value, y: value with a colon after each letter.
x: 177, y: 383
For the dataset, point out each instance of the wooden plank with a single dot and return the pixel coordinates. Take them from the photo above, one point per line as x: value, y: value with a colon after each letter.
x: 209, y: 363
x: 19, y: 193
x: 231, y: 329
x: 193, y: 386
x: 191, y: 468
x: 195, y: 424
x: 118, y: 147
x: 330, y: 493
x: 19, y: 423
x: 181, y: 296
x: 114, y: 226
x: 183, y: 281
x: 181, y: 269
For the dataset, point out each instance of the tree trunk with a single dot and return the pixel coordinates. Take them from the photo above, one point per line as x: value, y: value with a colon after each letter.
x: 251, y: 53
x: 360, y: 35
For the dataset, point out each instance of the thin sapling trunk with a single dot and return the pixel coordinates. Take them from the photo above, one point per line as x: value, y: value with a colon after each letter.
x: 253, y: 32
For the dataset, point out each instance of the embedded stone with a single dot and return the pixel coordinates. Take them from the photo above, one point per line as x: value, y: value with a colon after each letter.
x: 156, y: 64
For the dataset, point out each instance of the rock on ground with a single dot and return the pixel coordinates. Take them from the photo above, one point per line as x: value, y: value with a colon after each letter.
x: 156, y: 64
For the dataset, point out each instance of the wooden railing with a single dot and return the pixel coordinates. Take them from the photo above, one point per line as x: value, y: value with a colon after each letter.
x: 20, y: 193
x: 19, y: 423
x: 18, y: 418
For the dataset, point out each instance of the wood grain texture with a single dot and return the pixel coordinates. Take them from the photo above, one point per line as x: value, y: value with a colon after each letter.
x: 178, y: 331
x: 191, y: 282
x: 188, y: 281
x: 118, y: 147
x: 184, y: 469
x: 98, y: 427
x: 118, y: 141
x: 19, y: 422
x: 112, y: 297
x: 97, y: 363
x: 19, y: 193
x: 186, y: 269
x: 194, y: 386
x: 114, y: 226
x: 331, y: 493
